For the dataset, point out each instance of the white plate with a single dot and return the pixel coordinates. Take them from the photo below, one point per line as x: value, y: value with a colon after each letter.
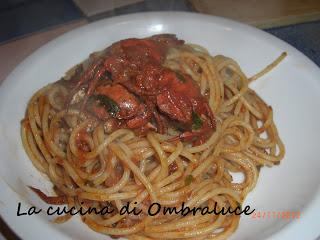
x: 292, y: 89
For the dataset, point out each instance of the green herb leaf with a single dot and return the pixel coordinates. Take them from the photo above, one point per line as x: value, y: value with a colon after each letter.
x: 181, y: 77
x: 196, y: 121
x: 110, y: 105
x: 189, y: 179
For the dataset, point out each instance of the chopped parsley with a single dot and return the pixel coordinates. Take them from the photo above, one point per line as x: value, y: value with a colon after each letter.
x: 196, y: 121
x: 110, y: 105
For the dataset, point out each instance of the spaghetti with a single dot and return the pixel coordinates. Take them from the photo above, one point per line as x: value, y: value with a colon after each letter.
x: 100, y: 158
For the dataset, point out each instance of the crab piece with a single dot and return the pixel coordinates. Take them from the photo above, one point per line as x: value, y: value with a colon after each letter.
x: 117, y: 102
x: 131, y: 57
x: 151, y: 49
x: 123, y: 61
x: 140, y: 91
x: 168, y: 40
x: 198, y: 137
x: 128, y: 104
x: 182, y: 101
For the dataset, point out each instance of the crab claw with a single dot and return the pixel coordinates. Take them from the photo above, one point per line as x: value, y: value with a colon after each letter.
x: 201, y: 131
x: 197, y: 137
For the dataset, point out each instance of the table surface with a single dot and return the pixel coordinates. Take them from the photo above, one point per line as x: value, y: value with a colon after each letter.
x: 305, y: 37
